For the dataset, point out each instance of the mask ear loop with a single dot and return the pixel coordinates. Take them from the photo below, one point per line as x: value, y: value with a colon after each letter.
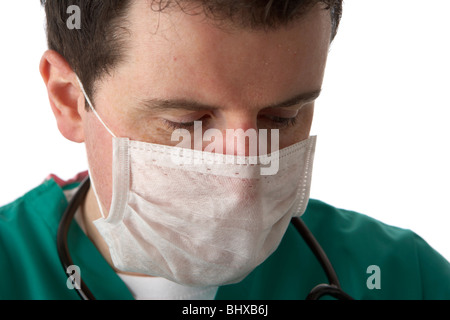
x: 96, y: 195
x: 93, y: 109
x: 107, y: 129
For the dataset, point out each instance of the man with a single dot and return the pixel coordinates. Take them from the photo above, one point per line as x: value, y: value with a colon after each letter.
x: 135, y: 74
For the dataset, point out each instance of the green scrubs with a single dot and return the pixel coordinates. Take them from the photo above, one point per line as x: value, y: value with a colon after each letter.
x: 371, y: 259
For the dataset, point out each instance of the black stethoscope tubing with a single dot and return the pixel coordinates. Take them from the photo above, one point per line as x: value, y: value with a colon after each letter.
x: 332, y: 289
x: 63, y: 230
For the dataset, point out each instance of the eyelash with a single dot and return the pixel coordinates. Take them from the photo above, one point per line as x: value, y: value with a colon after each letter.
x: 279, y: 121
x: 178, y: 125
x: 285, y: 122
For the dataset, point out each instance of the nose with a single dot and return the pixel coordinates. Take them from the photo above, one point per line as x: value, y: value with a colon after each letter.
x: 236, y: 134
x: 239, y: 136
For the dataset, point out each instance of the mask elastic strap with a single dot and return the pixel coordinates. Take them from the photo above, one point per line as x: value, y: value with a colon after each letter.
x: 96, y: 195
x: 107, y: 129
x: 93, y: 109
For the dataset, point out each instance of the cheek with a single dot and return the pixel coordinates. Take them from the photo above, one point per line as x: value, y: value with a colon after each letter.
x: 98, y: 144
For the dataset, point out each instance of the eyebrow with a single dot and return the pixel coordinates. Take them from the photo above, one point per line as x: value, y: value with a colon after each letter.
x: 163, y: 104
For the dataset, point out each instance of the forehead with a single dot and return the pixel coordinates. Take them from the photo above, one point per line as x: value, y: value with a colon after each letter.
x: 177, y: 55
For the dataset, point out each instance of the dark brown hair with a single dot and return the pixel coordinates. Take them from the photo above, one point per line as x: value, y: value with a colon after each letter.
x: 99, y: 45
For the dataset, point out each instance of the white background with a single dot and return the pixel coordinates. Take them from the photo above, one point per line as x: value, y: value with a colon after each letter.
x: 383, y: 120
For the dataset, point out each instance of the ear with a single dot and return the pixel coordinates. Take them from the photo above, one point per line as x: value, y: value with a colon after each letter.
x: 66, y: 98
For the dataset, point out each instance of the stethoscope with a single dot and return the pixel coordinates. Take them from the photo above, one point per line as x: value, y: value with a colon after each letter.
x: 333, y: 288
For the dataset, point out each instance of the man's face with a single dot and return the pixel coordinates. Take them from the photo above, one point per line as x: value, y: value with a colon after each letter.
x: 182, y: 68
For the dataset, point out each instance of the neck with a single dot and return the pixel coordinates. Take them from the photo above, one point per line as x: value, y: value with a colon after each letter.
x: 90, y: 213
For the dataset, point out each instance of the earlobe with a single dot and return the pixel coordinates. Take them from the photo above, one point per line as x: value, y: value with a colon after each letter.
x: 64, y: 95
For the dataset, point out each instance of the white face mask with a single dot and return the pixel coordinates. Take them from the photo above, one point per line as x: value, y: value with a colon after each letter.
x: 200, y: 224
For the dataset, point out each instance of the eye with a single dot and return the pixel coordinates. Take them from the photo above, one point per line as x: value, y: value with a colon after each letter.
x: 174, y: 125
x: 285, y: 121
x: 279, y: 118
x: 178, y: 125
x: 280, y: 122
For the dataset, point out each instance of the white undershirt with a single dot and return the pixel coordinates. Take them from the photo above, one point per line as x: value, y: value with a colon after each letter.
x: 154, y: 288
